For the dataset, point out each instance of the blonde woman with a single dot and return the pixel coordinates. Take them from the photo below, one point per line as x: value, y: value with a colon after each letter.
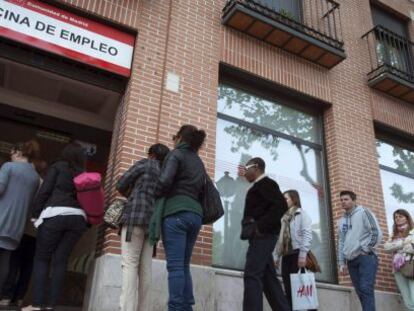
x: 401, y: 245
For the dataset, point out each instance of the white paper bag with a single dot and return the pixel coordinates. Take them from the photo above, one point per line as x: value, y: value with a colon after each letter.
x: 304, y: 294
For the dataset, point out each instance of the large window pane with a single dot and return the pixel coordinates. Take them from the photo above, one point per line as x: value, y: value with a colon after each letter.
x: 397, y: 176
x: 271, y: 115
x: 395, y: 157
x: 398, y: 193
x: 292, y: 165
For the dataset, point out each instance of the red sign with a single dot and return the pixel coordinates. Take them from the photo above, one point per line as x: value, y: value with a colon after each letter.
x: 54, y: 30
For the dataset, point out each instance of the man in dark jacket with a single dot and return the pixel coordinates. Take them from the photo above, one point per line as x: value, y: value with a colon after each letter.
x: 264, y: 208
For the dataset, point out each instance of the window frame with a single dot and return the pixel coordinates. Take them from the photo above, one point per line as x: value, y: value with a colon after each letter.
x: 288, y: 98
x: 385, y: 135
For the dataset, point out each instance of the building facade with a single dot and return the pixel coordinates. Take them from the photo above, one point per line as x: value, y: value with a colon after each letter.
x: 322, y: 90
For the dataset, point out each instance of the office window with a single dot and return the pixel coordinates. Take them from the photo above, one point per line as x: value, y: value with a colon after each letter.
x: 290, y: 142
x: 397, y: 176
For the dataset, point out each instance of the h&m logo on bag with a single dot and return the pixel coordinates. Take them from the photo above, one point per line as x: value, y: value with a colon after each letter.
x: 305, y: 290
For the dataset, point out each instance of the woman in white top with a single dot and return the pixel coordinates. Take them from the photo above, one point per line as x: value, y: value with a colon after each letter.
x: 60, y: 223
x: 400, y: 244
x: 295, y: 239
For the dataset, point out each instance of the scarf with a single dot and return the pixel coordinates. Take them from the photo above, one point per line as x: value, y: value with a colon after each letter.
x: 402, y: 228
x: 284, y: 242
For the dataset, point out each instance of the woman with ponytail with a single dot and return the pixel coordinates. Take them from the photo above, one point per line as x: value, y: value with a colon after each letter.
x: 181, y: 184
x: 18, y: 184
x: 60, y: 222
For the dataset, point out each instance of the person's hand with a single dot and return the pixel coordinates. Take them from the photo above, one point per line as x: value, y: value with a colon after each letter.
x: 257, y: 233
x: 342, y: 270
x: 301, y: 262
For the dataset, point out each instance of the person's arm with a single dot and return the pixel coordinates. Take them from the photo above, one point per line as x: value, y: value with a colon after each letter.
x: 168, y: 173
x: 375, y: 234
x: 393, y: 246
x: 305, y: 232
x: 128, y: 179
x: 45, y: 191
x: 273, y: 197
x: 4, y: 177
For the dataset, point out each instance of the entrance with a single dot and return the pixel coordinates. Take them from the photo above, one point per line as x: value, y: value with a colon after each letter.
x: 53, y: 110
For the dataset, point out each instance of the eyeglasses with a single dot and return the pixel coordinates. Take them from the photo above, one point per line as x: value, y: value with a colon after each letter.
x: 250, y: 166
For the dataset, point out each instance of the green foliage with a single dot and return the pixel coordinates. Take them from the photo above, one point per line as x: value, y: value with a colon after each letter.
x: 287, y: 14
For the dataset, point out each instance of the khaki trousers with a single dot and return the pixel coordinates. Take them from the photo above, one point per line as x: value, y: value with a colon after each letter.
x: 136, y: 271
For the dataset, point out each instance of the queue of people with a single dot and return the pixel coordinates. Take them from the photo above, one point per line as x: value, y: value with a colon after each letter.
x: 164, y: 198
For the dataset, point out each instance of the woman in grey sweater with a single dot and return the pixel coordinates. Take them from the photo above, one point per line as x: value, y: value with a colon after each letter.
x: 295, y: 239
x: 19, y: 182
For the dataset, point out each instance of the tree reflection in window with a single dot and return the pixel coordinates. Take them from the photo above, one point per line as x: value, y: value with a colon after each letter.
x: 259, y: 111
x: 397, y: 172
x: 259, y: 136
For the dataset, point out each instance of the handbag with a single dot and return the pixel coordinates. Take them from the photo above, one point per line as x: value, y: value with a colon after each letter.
x: 312, y: 263
x: 407, y: 270
x: 113, y: 214
x: 211, y: 202
x: 248, y: 229
x: 303, y: 291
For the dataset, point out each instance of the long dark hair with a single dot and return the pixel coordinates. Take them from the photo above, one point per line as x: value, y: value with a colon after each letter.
x: 407, y: 215
x: 294, y: 196
x: 192, y: 136
x: 159, y: 151
x: 74, y: 154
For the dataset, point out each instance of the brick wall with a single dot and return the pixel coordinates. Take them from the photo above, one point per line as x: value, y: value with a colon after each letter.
x: 349, y: 131
x: 185, y: 37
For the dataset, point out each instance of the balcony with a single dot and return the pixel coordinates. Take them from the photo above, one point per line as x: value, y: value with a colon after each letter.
x: 310, y: 29
x: 392, y: 63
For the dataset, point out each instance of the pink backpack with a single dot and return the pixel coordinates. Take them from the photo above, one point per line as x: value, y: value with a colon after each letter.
x: 91, y: 196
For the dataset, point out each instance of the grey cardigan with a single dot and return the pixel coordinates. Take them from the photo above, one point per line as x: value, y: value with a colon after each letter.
x: 358, y: 233
x: 19, y: 182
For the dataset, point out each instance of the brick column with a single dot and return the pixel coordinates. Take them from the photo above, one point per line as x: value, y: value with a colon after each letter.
x: 349, y: 128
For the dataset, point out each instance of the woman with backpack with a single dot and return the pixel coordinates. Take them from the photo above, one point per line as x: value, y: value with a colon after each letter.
x: 19, y: 182
x: 401, y: 245
x: 181, y: 184
x: 295, y: 239
x: 138, y: 184
x: 60, y: 223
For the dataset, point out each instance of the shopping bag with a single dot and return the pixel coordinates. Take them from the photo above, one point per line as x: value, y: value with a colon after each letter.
x: 304, y: 294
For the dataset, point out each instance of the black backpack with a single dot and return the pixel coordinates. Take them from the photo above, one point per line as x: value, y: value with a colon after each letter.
x: 211, y: 202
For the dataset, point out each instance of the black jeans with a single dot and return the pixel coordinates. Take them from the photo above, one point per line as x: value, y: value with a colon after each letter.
x: 21, y: 267
x: 4, y: 265
x: 260, y: 277
x: 290, y: 265
x: 56, y: 238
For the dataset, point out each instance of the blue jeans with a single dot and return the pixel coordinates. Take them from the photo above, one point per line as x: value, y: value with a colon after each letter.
x: 363, y: 271
x: 179, y: 234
